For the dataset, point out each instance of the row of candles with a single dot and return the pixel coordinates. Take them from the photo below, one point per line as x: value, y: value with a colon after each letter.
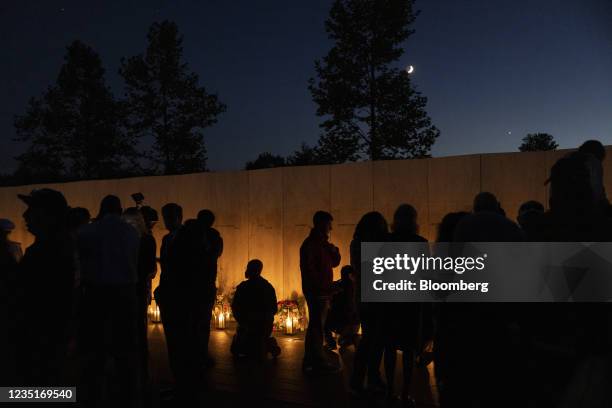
x: 221, y: 318
x: 291, y: 322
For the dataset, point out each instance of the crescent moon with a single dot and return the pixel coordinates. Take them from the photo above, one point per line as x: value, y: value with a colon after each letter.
x: 409, y: 69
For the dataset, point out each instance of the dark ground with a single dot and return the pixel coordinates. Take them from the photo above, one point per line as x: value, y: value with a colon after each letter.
x: 275, y: 382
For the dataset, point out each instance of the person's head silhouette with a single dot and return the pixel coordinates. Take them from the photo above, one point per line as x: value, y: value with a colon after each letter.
x: 253, y: 269
x: 528, y: 215
x: 47, y: 211
x: 77, y: 217
x: 322, y: 222
x: 110, y: 205
x: 486, y: 202
x: 405, y: 219
x: 172, y: 214
x: 571, y: 191
x: 446, y: 229
x: 372, y: 227
x: 207, y: 218
x: 595, y: 148
x: 346, y: 272
x: 528, y: 207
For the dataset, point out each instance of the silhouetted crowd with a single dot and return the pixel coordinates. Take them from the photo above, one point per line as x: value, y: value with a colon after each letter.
x: 84, y: 286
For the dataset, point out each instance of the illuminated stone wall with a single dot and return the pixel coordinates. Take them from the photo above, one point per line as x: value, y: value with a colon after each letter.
x: 266, y: 214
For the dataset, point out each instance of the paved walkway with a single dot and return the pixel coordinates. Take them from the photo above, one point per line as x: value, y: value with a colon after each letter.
x: 279, y: 382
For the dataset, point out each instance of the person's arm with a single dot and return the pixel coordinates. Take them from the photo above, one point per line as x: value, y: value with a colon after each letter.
x: 152, y: 257
x: 220, y: 251
x: 236, y: 304
x: 273, y: 301
x: 146, y: 258
x: 217, y: 243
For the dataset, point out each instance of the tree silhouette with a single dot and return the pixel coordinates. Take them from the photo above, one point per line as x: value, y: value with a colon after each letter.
x: 265, y: 160
x: 166, y: 102
x: 537, y: 142
x: 370, y: 107
x: 74, y: 129
x: 304, y: 156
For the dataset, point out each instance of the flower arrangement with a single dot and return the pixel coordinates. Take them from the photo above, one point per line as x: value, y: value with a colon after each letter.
x: 291, y: 316
x: 222, y: 311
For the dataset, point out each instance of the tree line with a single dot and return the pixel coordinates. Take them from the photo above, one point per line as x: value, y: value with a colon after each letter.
x: 78, y: 129
x: 367, y: 105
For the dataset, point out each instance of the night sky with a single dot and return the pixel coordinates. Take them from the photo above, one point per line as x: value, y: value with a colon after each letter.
x: 492, y: 70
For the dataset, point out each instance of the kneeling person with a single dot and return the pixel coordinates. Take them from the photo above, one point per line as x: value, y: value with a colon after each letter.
x: 254, y: 307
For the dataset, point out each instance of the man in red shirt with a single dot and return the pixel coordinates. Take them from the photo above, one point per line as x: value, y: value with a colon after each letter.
x: 318, y: 257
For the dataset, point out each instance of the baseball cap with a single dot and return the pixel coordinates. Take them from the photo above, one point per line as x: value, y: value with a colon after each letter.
x: 49, y: 199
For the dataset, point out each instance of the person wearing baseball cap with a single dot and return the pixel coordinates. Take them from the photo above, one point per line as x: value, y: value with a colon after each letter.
x: 46, y: 281
x: 47, y: 211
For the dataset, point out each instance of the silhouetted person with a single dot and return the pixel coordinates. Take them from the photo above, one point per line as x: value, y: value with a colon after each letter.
x: 573, y: 214
x: 318, y: 257
x: 343, y: 318
x: 570, y: 333
x: 206, y: 280
x: 148, y: 259
x: 144, y: 218
x: 46, y: 279
x: 405, y: 227
x: 181, y: 302
x: 448, y: 225
x: 254, y: 306
x: 190, y: 273
x: 449, y: 319
x: 471, y: 329
x: 529, y: 217
x: 168, y: 291
x: 77, y: 217
x: 172, y: 215
x: 372, y: 227
x: 485, y: 201
x: 530, y: 205
x: 415, y: 326
x: 10, y: 255
x: 595, y: 154
x: 108, y: 252
x: 487, y: 224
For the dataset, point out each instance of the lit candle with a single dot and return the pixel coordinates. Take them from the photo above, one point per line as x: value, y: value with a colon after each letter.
x: 289, y: 325
x: 221, y: 321
x: 156, y: 314
x: 295, y: 323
